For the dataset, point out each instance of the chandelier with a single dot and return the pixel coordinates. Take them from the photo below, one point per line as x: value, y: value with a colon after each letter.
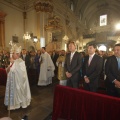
x: 43, y: 6
x: 26, y: 36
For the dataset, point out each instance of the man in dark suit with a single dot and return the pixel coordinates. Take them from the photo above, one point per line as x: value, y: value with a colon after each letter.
x: 26, y: 58
x: 73, y: 63
x: 54, y: 57
x: 112, y: 71
x: 92, y: 68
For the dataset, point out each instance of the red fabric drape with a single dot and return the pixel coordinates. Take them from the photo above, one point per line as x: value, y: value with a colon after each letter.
x: 3, y: 76
x: 79, y: 104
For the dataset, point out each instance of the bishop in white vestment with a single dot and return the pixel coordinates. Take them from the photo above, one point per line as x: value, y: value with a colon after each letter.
x: 17, y: 88
x: 46, y: 69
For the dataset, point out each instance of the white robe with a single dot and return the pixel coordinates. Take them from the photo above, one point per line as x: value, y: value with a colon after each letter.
x: 46, y: 70
x: 17, y: 88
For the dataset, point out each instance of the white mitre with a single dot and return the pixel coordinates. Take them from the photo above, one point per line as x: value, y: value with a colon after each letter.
x: 15, y: 49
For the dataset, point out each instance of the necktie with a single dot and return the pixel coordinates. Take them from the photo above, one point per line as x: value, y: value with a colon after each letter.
x: 71, y: 56
x: 118, y: 59
x: 90, y: 59
x: 24, y: 57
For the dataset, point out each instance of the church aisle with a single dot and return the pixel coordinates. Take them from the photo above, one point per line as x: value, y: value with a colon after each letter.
x: 41, y: 105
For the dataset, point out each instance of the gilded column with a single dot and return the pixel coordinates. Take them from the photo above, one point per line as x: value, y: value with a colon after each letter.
x: 2, y: 29
x: 42, y: 7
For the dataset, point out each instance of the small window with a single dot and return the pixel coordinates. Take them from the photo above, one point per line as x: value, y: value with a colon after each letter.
x: 72, y: 5
x: 103, y: 20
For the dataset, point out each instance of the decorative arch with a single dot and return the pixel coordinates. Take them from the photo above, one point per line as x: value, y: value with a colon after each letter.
x: 2, y: 29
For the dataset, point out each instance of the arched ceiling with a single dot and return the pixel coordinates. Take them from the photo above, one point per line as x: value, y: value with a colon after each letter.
x: 92, y: 9
x: 89, y: 10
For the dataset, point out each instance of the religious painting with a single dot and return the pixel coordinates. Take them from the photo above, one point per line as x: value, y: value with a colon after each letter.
x: 15, y: 39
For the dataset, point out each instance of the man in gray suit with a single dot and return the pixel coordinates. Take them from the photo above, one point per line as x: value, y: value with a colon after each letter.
x: 73, y: 63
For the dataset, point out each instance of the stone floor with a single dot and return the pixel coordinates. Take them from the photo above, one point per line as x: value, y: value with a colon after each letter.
x: 41, y: 105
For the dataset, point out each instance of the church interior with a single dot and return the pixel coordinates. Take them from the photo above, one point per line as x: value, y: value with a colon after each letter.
x: 25, y: 20
x: 33, y: 24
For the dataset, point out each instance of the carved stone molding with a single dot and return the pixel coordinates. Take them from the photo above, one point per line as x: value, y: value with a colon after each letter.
x: 53, y: 24
x: 43, y: 6
x: 2, y: 16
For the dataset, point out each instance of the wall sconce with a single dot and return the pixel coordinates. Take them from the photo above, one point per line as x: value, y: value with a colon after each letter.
x: 35, y: 40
